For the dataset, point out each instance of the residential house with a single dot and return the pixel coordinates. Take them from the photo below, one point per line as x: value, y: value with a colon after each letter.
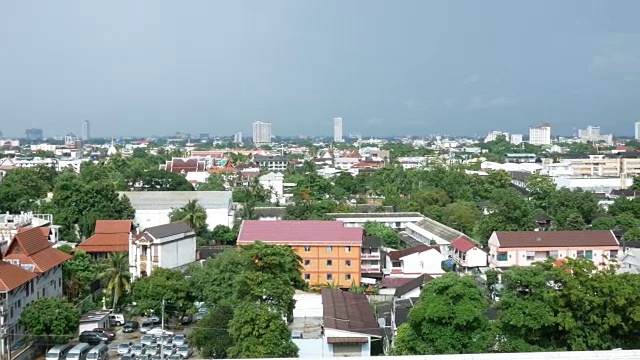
x: 417, y: 260
x: 153, y: 207
x: 109, y: 236
x: 350, y: 326
x: 185, y: 165
x: 630, y: 261
x: 467, y: 254
x: 271, y: 162
x: 10, y: 225
x: 371, y: 254
x: 397, y: 221
x: 430, y: 232
x: 389, y: 285
x: 273, y: 182
x: 411, y: 289
x: 169, y: 246
x: 29, y: 269
x: 522, y: 248
x: 330, y: 252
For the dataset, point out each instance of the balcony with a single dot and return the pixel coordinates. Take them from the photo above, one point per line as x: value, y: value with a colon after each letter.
x: 371, y: 256
x: 370, y: 269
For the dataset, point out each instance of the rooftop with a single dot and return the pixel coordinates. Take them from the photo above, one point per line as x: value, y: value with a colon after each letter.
x: 515, y: 239
x: 347, y: 311
x: 375, y: 215
x: 299, y: 231
x: 159, y: 200
x: 399, y: 254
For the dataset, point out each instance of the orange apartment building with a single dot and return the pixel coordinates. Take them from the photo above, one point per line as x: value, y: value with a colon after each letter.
x: 330, y: 252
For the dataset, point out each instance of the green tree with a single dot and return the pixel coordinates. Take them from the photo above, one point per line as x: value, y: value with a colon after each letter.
x: 116, y: 275
x: 540, y: 188
x: 22, y: 187
x: 346, y: 182
x: 565, y: 200
x: 78, y: 273
x: 259, y: 332
x: 463, y: 216
x: 570, y: 220
x: 632, y: 234
x: 211, y: 334
x: 213, y: 282
x: 166, y: 284
x: 224, y: 235
x: 450, y: 318
x: 508, y: 211
x: 390, y: 237
x: 192, y: 214
x: 51, y: 318
x: 213, y: 183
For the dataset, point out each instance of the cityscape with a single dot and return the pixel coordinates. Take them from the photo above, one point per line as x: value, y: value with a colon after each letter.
x: 284, y: 179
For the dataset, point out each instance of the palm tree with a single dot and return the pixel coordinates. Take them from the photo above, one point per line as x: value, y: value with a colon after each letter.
x: 116, y: 274
x: 192, y: 214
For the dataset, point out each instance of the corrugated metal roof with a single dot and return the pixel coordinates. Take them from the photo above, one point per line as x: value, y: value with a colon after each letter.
x: 162, y: 200
x: 347, y: 311
x: 291, y: 231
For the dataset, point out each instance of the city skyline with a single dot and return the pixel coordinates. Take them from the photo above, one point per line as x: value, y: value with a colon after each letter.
x: 432, y: 68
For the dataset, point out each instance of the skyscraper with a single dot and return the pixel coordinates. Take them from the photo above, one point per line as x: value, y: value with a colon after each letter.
x: 337, y: 129
x: 86, y: 130
x: 33, y: 134
x: 261, y: 133
x: 637, y: 135
x: 540, y: 135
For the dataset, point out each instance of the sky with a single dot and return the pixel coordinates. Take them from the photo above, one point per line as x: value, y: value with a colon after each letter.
x: 386, y: 67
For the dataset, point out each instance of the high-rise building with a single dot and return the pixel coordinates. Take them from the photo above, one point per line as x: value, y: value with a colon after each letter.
x: 592, y: 134
x: 516, y: 139
x: 86, y: 130
x: 337, y: 129
x: 261, y: 133
x: 540, y: 135
x: 33, y: 134
x: 493, y: 136
x: 637, y: 135
x: 237, y: 138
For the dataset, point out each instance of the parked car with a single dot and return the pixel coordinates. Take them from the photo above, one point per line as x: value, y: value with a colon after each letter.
x: 184, y: 351
x: 179, y: 339
x: 109, y: 334
x: 124, y: 348
x: 92, y: 338
x: 148, y: 339
x: 128, y: 357
x: 154, y: 319
x: 146, y: 326
x: 130, y: 326
x: 153, y: 350
x: 168, y: 351
x: 159, y: 331
x: 138, y: 350
x: 175, y: 357
x: 116, y: 320
x: 168, y: 342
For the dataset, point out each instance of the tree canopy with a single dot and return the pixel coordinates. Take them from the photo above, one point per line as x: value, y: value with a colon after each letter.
x: 54, y: 319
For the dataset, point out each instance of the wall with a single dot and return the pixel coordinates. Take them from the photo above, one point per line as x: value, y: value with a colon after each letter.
x: 318, y: 268
x: 178, y: 253
x: 149, y: 218
x: 426, y: 262
x: 397, y: 223
x: 365, y: 350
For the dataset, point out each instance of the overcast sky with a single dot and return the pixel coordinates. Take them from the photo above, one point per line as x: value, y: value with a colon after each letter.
x: 387, y: 67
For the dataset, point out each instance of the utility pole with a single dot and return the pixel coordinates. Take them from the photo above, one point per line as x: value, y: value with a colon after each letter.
x: 162, y: 332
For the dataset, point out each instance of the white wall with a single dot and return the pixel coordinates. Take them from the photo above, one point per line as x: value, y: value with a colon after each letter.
x: 366, y: 348
x: 174, y: 254
x: 426, y: 262
x: 149, y: 218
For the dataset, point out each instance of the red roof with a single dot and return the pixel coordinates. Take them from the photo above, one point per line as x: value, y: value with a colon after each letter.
x: 399, y: 254
x: 463, y: 244
x: 574, y: 238
x: 12, y: 276
x: 180, y: 165
x: 299, y: 231
x: 113, y: 226
x: 33, y: 247
x: 110, y: 236
x: 394, y: 282
x: 43, y: 229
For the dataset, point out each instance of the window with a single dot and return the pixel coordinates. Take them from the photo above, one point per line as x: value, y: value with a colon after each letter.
x: 329, y: 277
x: 347, y: 263
x: 307, y: 248
x: 307, y: 262
x: 329, y: 262
x: 580, y: 254
x: 531, y: 255
x: 329, y: 248
x: 307, y: 276
x: 27, y: 288
x: 347, y: 249
x: 502, y: 256
x: 552, y: 254
x: 588, y: 254
x: 613, y: 254
x: 347, y: 276
x: 396, y: 264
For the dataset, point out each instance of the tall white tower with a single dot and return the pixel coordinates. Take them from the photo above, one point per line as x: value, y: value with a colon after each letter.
x: 540, y: 135
x: 86, y: 130
x: 637, y: 134
x: 261, y: 133
x: 337, y: 129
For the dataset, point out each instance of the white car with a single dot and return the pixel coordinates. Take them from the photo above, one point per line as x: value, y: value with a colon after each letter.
x: 159, y: 331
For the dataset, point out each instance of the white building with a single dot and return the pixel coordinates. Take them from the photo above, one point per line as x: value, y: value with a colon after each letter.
x: 516, y: 139
x: 337, y: 129
x: 169, y: 246
x: 630, y: 261
x: 153, y: 207
x: 493, y: 136
x: 540, y: 135
x: 592, y: 134
x: 417, y: 260
x: 86, y: 130
x: 237, y: 138
x: 261, y: 133
x: 274, y: 183
x: 29, y: 269
x: 637, y: 130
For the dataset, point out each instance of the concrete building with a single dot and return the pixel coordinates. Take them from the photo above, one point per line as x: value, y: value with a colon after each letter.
x: 397, y: 221
x: 33, y: 134
x: 606, y: 165
x: 330, y: 252
x: 516, y: 139
x: 261, y: 133
x: 271, y: 162
x: 417, y: 260
x: 169, y: 246
x: 274, y: 183
x: 153, y: 207
x: 237, y: 137
x: 337, y: 130
x: 86, y: 130
x: 592, y: 134
x: 493, y: 136
x: 540, y: 135
x: 637, y: 130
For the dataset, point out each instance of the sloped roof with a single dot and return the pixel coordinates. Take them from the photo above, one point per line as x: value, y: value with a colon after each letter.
x: 162, y: 231
x: 45, y: 230
x: 33, y: 247
x: 394, y: 282
x: 12, y: 276
x: 439, y: 229
x: 181, y: 165
x: 302, y: 231
x: 30, y: 241
x: 528, y: 239
x: 109, y: 236
x: 463, y: 244
x: 163, y: 200
x: 113, y: 226
x: 413, y: 284
x: 347, y: 311
x: 397, y: 255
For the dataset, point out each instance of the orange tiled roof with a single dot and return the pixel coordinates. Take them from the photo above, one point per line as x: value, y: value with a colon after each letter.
x: 44, y: 229
x: 99, y: 243
x: 12, y: 276
x: 32, y: 247
x: 113, y: 226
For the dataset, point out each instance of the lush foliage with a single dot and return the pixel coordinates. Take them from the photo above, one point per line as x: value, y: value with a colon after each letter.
x: 211, y: 334
x: 170, y: 285
x: 78, y: 274
x: 22, y: 187
x: 389, y: 236
x: 116, y: 275
x: 54, y: 319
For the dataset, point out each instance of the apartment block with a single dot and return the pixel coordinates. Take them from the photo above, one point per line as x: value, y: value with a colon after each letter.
x: 605, y: 165
x: 330, y: 252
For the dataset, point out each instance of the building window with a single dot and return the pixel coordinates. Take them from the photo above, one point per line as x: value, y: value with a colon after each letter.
x: 588, y: 254
x: 307, y: 262
x: 580, y: 254
x: 28, y: 288
x: 329, y: 262
x: 347, y: 276
x: 347, y: 262
x: 396, y: 264
x: 347, y: 248
x: 502, y: 256
x: 307, y: 248
x: 531, y: 255
x: 329, y: 248
x: 613, y: 254
x: 307, y: 276
x: 552, y: 254
x: 329, y: 277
